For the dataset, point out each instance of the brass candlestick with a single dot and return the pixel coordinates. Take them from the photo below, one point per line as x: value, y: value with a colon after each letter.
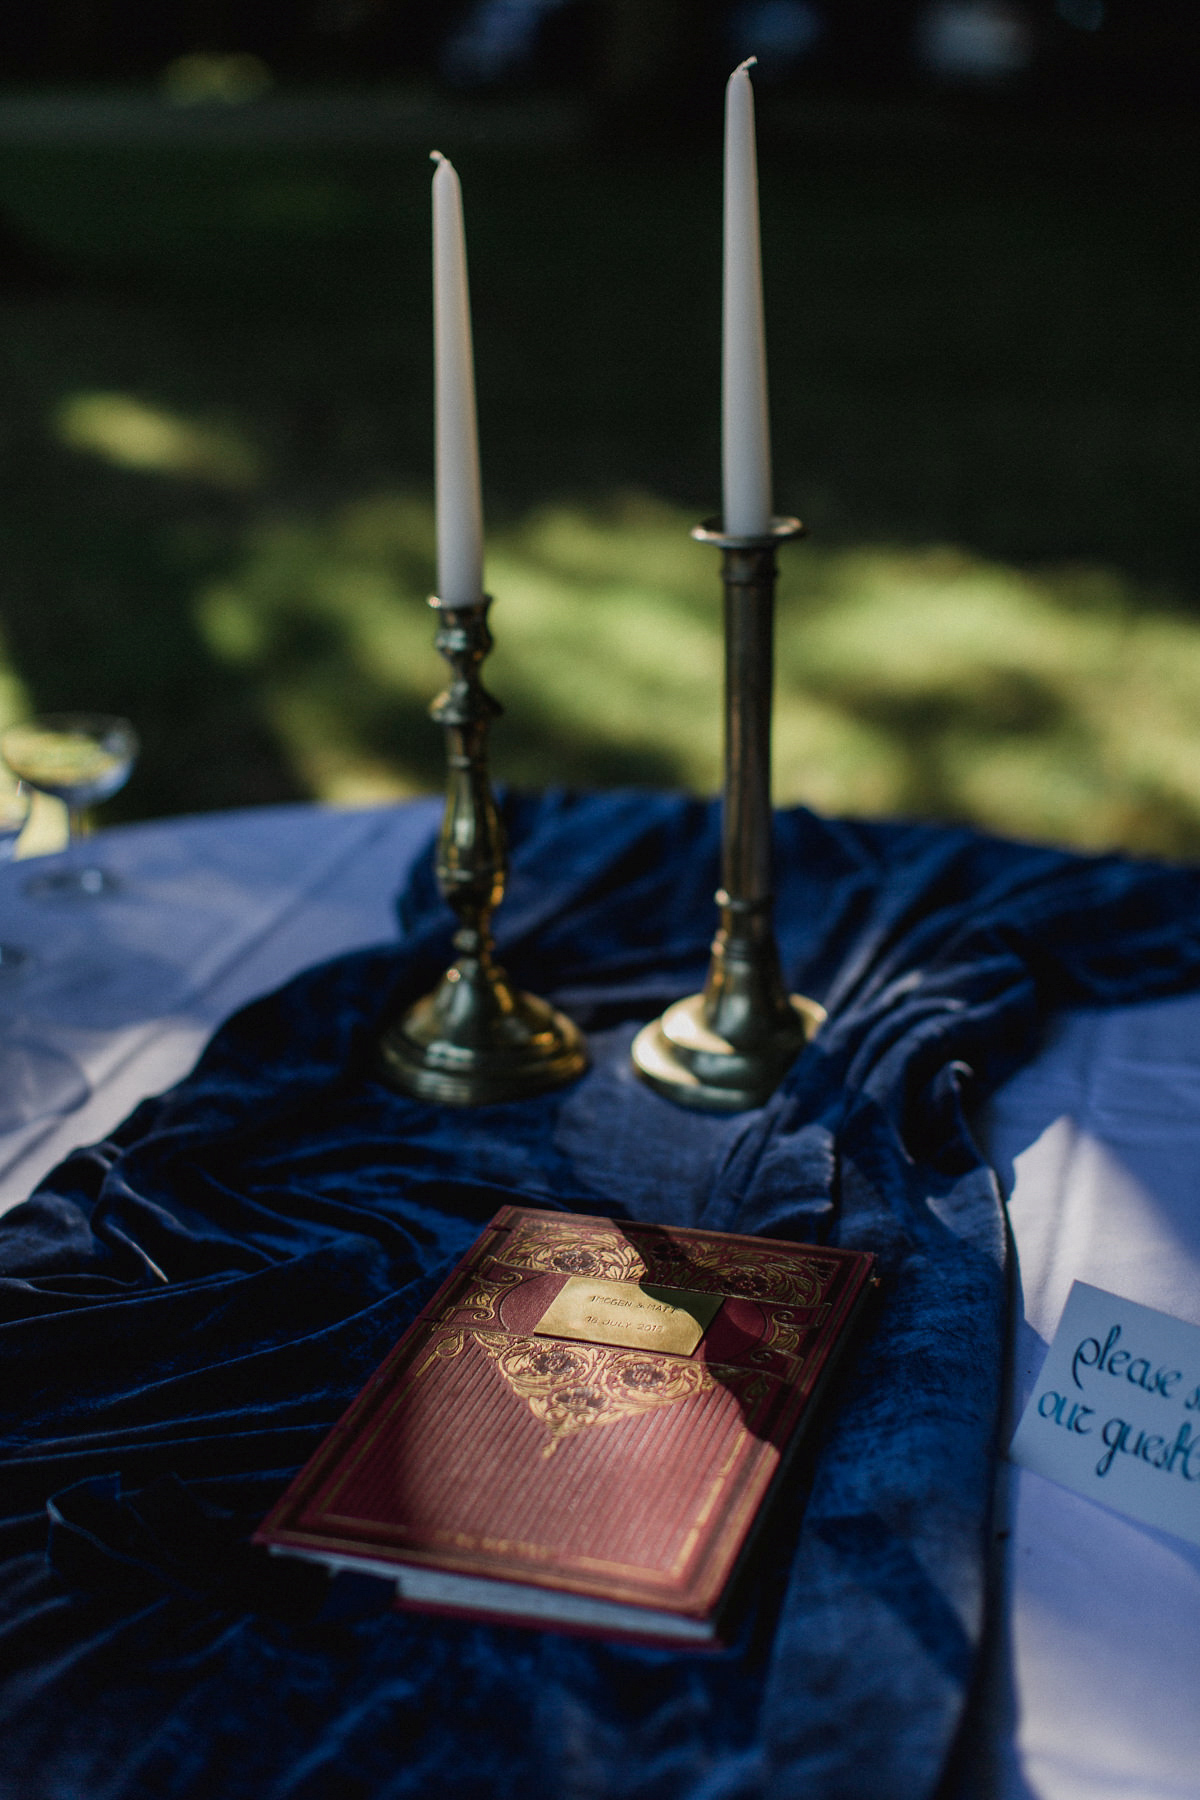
x: 475, y: 1039
x: 728, y: 1048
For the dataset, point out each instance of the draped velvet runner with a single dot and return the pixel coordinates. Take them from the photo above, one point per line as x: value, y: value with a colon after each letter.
x: 188, y: 1307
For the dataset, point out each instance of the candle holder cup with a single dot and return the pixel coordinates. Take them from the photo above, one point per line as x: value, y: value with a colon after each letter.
x: 474, y: 1039
x: 727, y: 1048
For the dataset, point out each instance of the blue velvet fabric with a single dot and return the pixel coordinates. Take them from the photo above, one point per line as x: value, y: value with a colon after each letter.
x: 188, y: 1307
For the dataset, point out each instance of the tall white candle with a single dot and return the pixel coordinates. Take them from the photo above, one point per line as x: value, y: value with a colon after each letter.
x: 459, y: 502
x: 745, y: 433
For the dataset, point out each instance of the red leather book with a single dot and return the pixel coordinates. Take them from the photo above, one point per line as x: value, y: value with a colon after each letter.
x: 582, y: 1427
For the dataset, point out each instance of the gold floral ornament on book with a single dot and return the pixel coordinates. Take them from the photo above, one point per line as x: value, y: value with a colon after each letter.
x: 688, y: 1260
x: 553, y: 1247
x: 568, y: 1387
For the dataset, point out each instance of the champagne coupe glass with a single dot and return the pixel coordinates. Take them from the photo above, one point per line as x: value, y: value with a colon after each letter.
x: 79, y: 758
x: 14, y: 810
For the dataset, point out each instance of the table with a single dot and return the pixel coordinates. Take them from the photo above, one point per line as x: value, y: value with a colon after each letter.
x: 1091, y: 1684
x: 1089, y: 1688
x: 215, y: 911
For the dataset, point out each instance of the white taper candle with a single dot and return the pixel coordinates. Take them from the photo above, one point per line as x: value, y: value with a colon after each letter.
x: 459, y: 501
x: 745, y: 431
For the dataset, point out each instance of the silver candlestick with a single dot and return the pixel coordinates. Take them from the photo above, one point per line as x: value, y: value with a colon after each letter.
x: 727, y: 1049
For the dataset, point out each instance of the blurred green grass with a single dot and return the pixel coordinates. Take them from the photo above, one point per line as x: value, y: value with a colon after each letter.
x: 215, y: 453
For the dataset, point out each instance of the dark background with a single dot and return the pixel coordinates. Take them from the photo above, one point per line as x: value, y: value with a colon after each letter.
x: 982, y: 281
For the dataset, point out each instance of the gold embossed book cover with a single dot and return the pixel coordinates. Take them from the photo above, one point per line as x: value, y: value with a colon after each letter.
x: 582, y: 1427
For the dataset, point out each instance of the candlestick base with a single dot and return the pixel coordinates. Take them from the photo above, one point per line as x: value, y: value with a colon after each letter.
x: 727, y: 1049
x: 476, y: 1041
x: 682, y: 1058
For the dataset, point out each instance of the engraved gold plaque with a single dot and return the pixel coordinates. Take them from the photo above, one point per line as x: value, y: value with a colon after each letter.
x: 635, y: 1313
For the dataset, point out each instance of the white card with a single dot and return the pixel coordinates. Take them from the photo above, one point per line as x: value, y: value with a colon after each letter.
x: 1115, y: 1414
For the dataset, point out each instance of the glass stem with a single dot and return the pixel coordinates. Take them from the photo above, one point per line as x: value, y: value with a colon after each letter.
x: 79, y: 824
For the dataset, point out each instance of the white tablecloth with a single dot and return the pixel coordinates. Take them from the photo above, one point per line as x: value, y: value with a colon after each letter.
x: 1096, y: 1645
x: 1094, y: 1667
x: 214, y: 911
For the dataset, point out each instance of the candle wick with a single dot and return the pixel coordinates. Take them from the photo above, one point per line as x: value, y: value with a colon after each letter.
x: 748, y: 64
x: 437, y: 157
